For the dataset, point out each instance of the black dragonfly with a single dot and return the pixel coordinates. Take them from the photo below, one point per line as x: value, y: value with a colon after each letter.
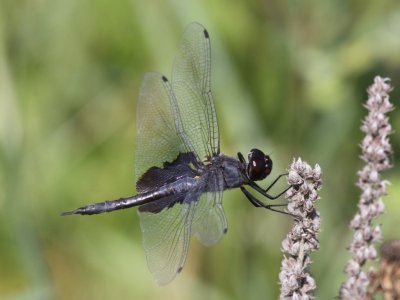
x: 181, y: 174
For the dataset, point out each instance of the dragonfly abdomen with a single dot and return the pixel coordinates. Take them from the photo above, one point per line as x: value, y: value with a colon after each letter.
x: 180, y: 186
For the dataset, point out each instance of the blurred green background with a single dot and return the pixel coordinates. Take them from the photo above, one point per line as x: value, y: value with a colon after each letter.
x: 288, y: 77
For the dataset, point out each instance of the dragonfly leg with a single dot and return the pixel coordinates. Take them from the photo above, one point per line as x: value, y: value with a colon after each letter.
x: 265, y: 192
x: 257, y: 203
x: 241, y: 157
x: 275, y: 181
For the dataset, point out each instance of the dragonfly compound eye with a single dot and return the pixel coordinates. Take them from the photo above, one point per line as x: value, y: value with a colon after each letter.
x: 259, y: 166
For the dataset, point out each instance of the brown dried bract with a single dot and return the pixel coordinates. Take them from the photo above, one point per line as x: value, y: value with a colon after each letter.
x: 387, y: 279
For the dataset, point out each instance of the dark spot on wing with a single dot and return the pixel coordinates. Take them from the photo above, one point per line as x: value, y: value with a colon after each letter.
x: 225, y: 230
x: 180, y: 269
x: 155, y: 177
x: 164, y: 78
x: 206, y: 34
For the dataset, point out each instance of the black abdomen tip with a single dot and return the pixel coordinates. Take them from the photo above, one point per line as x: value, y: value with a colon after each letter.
x: 165, y: 79
x: 206, y: 34
x: 68, y: 213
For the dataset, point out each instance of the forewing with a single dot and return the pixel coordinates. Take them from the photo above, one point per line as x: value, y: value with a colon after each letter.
x: 166, y: 237
x: 191, y: 86
x: 209, y: 223
x: 157, y: 140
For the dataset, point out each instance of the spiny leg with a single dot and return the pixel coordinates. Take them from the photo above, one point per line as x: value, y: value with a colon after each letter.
x: 275, y: 181
x: 264, y: 192
x: 257, y: 203
x: 241, y: 157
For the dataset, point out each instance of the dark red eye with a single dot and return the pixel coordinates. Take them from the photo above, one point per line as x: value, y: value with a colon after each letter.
x: 259, y: 166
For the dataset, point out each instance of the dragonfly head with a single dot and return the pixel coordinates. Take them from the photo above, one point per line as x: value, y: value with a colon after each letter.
x: 259, y: 166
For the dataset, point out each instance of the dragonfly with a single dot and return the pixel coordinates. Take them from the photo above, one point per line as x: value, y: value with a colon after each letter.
x: 181, y: 173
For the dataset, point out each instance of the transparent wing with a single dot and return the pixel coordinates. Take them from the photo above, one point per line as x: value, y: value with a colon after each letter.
x: 166, y: 233
x: 166, y: 237
x: 209, y: 223
x: 191, y: 86
x: 157, y: 139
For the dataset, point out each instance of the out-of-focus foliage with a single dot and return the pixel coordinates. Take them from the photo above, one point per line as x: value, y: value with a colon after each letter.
x: 288, y: 77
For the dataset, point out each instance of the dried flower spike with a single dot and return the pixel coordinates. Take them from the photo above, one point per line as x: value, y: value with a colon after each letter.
x: 375, y: 152
x: 296, y: 282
